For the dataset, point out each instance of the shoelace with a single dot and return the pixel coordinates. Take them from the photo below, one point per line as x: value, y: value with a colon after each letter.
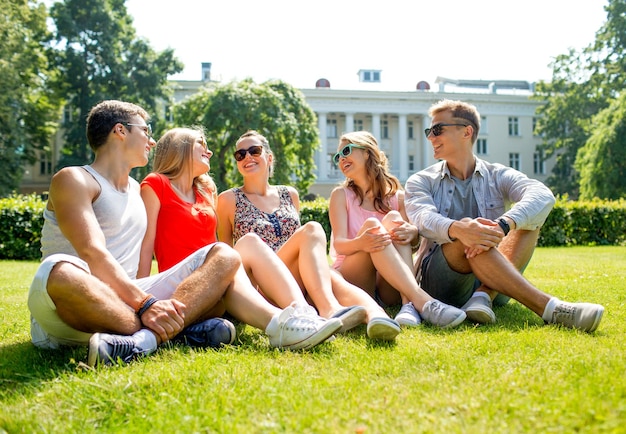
x: 121, y: 348
x: 295, y: 321
x: 563, y: 312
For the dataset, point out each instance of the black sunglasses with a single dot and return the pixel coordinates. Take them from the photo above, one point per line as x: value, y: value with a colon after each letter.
x: 345, y: 151
x: 255, y: 151
x: 437, y: 129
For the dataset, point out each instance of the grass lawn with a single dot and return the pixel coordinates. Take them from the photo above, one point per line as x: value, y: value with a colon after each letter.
x: 517, y: 375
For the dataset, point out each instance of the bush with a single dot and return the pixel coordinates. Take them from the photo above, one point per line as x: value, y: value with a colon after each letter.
x: 571, y: 223
x: 21, y: 220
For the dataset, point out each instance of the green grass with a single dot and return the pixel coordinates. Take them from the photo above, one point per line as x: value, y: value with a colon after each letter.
x: 514, y: 376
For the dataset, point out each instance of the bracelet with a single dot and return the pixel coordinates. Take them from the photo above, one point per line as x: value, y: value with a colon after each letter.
x: 146, y: 305
x: 142, y: 302
x: 504, y: 226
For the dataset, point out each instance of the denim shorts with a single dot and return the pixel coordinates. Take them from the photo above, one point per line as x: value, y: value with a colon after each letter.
x: 49, y: 331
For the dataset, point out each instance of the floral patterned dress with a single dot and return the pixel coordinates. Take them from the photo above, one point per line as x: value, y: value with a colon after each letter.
x: 273, y: 228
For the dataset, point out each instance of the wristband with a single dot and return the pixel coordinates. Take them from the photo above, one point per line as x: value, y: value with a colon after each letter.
x: 504, y: 225
x: 146, y: 305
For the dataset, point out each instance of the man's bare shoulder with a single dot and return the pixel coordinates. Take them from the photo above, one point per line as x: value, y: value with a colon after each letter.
x: 73, y: 182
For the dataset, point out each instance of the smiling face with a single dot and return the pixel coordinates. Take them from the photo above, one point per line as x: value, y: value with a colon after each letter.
x: 350, y: 157
x: 200, y: 156
x: 453, y: 140
x: 251, y: 164
x: 138, y: 139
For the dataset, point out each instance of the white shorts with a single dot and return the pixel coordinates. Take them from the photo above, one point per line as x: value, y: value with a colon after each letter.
x: 48, y: 330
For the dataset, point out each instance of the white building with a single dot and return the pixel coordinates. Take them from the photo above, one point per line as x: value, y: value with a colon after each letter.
x: 397, y: 119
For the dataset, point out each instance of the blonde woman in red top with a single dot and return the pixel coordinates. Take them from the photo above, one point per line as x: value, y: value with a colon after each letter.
x: 180, y: 199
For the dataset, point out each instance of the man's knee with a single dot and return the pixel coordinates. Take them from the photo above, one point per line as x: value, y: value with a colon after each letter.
x: 224, y: 256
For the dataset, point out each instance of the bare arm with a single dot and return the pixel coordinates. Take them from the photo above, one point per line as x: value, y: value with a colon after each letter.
x: 226, y: 217
x: 153, y: 206
x: 72, y: 191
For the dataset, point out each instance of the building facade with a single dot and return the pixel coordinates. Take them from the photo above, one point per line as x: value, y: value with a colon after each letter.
x: 397, y: 119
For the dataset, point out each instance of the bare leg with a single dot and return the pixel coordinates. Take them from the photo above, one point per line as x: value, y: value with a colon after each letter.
x: 265, y: 269
x: 349, y: 294
x: 87, y: 304
x: 495, y: 271
x: 305, y: 256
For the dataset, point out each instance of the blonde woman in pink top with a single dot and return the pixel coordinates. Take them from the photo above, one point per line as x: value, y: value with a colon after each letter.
x: 372, y: 241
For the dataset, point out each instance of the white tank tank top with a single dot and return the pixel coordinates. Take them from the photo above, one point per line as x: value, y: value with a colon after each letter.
x: 122, y: 218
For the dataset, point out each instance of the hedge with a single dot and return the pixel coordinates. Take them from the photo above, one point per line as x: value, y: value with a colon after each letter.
x: 571, y: 223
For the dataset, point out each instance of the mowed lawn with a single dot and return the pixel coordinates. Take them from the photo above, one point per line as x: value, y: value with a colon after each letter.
x: 517, y: 375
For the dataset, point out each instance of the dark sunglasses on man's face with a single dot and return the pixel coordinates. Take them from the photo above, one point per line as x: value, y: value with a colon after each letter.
x: 345, y: 151
x: 437, y: 129
x: 255, y: 151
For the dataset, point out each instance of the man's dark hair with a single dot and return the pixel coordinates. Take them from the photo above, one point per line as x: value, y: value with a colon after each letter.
x: 103, y: 116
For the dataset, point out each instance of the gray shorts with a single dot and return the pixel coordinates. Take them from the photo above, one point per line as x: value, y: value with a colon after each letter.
x: 48, y: 330
x: 445, y: 284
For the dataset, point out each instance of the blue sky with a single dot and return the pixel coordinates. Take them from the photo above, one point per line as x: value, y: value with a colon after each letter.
x: 299, y: 41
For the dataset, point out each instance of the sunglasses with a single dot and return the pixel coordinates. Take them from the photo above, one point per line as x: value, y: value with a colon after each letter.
x: 345, y: 151
x: 255, y: 151
x: 146, y: 128
x: 437, y: 129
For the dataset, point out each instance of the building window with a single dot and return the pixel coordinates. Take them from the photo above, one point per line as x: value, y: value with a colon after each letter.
x: 481, y: 147
x: 483, y: 125
x: 513, y: 126
x: 369, y: 76
x: 358, y: 125
x: 384, y: 129
x: 331, y: 128
x: 409, y: 131
x: 538, y: 163
x: 411, y: 163
x: 514, y: 161
x: 45, y: 165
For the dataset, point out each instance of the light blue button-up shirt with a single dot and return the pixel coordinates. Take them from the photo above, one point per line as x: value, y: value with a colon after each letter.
x: 499, y: 191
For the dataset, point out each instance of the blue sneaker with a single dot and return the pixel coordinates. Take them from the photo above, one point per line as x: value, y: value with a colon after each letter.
x: 108, y: 349
x: 212, y: 333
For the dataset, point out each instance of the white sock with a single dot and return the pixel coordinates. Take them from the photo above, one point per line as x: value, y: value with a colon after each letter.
x: 481, y: 294
x: 549, y: 309
x: 145, y: 340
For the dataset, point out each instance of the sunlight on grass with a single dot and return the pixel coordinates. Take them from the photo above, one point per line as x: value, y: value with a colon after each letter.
x: 517, y: 375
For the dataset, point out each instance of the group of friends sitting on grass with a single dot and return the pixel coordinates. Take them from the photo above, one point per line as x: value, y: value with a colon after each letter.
x: 448, y: 246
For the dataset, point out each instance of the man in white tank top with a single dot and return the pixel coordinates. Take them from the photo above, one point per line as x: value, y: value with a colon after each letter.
x: 85, y: 291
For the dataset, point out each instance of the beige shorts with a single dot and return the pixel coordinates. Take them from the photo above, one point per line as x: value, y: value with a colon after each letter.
x: 48, y: 330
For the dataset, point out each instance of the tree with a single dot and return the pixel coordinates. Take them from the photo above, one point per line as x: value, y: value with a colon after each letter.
x: 28, y: 114
x: 274, y: 108
x: 100, y: 57
x: 602, y: 160
x: 584, y: 83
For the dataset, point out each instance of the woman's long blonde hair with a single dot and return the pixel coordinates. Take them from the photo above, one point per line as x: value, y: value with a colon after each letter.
x: 382, y: 184
x: 174, y: 155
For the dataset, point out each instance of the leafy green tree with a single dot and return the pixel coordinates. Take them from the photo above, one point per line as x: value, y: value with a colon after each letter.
x: 602, y: 160
x: 584, y: 83
x: 28, y: 114
x: 274, y: 108
x: 100, y: 57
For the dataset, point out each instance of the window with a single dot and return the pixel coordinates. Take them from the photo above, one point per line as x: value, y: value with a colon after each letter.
x: 483, y: 125
x: 358, y: 125
x: 514, y: 161
x: 538, y: 163
x: 481, y: 147
x: 369, y: 75
x: 411, y: 163
x: 384, y: 129
x: 331, y: 128
x: 409, y: 131
x: 45, y: 165
x: 513, y: 126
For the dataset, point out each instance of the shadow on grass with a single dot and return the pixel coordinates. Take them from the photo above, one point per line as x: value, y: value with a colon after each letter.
x: 24, y: 366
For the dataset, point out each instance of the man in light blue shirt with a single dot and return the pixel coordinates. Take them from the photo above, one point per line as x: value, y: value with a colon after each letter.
x: 479, y: 224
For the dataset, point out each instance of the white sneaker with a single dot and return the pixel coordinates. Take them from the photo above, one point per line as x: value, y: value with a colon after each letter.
x: 479, y: 310
x: 297, y: 328
x: 442, y: 315
x: 581, y: 316
x: 408, y: 316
